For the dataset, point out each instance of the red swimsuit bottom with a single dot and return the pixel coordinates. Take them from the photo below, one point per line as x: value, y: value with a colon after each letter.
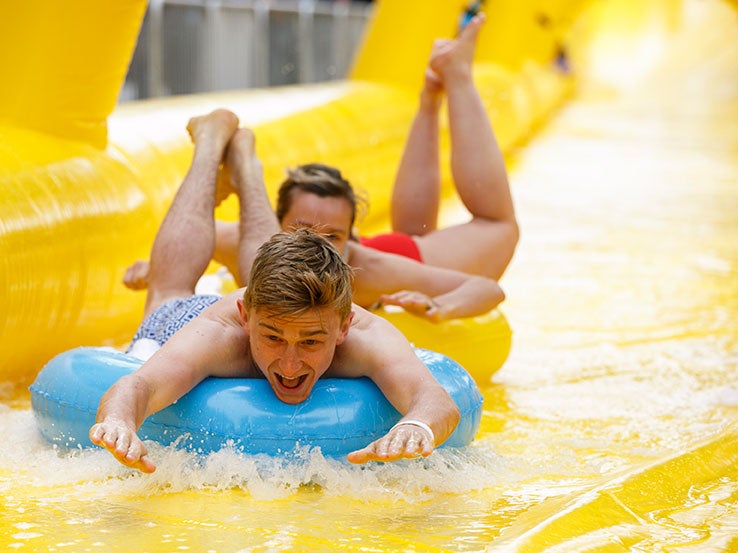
x: 394, y: 242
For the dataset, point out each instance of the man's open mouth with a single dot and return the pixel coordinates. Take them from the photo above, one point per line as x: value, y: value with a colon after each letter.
x: 290, y: 383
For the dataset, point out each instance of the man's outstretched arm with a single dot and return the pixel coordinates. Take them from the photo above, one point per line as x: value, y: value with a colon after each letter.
x: 416, y: 435
x: 122, y: 410
x: 204, y: 347
x: 429, y: 415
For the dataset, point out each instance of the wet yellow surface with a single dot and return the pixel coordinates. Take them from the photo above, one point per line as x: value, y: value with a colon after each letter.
x: 612, y: 427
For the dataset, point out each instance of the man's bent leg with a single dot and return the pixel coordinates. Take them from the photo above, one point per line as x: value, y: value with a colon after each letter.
x: 227, y: 238
x: 257, y: 221
x: 185, y: 241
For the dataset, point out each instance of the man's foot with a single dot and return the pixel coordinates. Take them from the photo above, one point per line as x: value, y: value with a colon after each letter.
x: 215, y: 130
x: 452, y: 59
x: 241, y: 161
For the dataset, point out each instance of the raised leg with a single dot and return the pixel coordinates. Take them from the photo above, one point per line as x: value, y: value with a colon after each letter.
x: 227, y: 237
x: 257, y: 221
x: 485, y: 244
x: 417, y: 188
x: 185, y: 241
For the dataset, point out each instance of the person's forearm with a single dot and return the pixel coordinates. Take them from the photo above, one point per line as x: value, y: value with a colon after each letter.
x: 475, y: 296
x: 436, y: 409
x: 122, y: 410
x: 434, y: 416
x: 126, y: 401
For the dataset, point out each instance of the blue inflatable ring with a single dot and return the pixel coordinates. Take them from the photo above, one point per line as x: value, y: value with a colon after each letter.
x: 340, y: 416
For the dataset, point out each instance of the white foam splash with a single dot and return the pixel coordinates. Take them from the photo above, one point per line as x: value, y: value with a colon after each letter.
x: 80, y: 472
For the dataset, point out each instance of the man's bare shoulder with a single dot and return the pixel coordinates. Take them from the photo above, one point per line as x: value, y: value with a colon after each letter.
x: 362, y: 320
x: 373, y: 348
x: 217, y: 337
x: 226, y: 308
x: 354, y: 356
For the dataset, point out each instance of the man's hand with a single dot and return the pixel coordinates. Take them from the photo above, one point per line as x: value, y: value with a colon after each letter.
x: 122, y: 441
x: 415, y: 303
x: 136, y: 276
x: 403, y: 441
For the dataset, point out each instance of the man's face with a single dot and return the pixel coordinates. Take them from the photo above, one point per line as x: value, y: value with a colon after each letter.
x: 329, y: 216
x: 293, y: 351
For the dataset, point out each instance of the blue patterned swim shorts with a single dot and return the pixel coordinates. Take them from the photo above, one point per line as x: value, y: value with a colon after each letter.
x: 171, y: 316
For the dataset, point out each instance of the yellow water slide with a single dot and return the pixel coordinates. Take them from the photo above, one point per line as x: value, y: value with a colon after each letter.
x: 612, y: 427
x: 85, y: 185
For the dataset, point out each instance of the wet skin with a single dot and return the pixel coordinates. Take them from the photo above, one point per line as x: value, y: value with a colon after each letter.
x: 293, y: 352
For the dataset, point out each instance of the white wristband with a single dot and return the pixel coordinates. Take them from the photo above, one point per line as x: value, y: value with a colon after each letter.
x: 419, y: 424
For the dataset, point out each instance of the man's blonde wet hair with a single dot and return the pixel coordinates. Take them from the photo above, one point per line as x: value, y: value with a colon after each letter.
x: 297, y: 271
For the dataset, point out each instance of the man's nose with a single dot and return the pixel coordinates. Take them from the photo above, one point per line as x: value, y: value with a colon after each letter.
x: 291, y: 361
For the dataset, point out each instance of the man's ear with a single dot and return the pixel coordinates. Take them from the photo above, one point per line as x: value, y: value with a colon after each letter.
x: 345, y: 328
x: 243, y: 314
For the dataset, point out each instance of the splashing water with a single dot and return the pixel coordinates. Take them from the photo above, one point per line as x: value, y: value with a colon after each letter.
x: 612, y: 427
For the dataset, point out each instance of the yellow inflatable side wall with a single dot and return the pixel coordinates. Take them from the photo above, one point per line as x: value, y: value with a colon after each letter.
x: 85, y: 187
x: 62, y: 68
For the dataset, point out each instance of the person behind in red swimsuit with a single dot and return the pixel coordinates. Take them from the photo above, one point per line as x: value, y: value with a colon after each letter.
x: 433, y: 273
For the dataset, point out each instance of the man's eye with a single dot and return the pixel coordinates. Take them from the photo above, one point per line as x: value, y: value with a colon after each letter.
x: 273, y: 338
x: 311, y: 342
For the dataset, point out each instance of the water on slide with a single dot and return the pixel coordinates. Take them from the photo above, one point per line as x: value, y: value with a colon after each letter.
x: 612, y: 427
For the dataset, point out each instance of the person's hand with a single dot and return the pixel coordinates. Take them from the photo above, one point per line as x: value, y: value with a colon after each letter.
x: 403, y: 441
x: 416, y: 303
x: 136, y: 276
x: 122, y: 441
